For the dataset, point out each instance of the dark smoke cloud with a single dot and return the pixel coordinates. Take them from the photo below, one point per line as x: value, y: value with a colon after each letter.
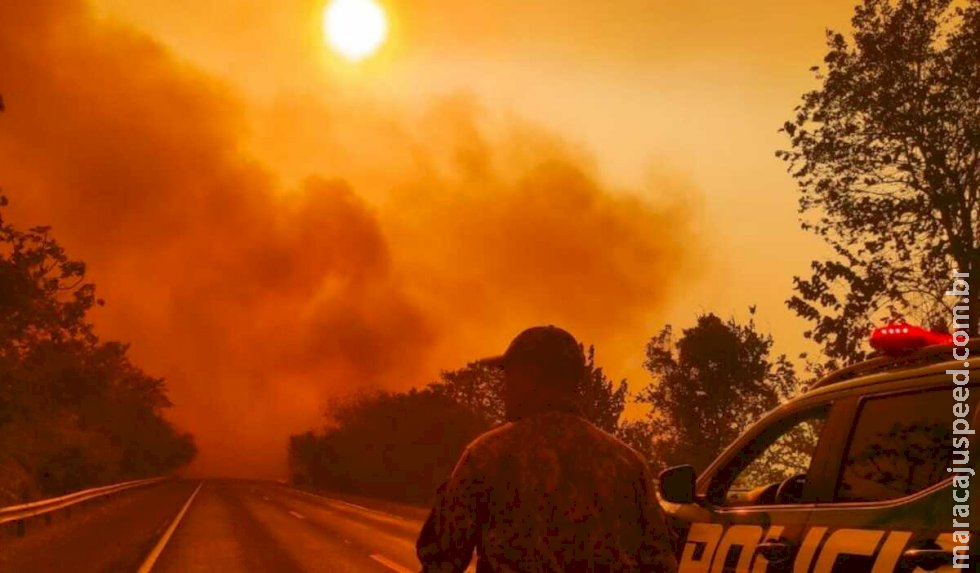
x: 258, y: 301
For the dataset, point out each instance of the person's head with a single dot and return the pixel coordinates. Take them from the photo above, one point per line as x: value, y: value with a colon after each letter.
x: 543, y: 369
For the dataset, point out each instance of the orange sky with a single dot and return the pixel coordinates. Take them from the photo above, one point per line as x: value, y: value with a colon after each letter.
x: 271, y: 226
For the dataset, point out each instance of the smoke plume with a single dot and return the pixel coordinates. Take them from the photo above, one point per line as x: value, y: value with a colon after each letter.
x: 425, y: 241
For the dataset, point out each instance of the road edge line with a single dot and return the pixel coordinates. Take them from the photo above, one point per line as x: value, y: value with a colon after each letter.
x: 323, y: 497
x: 151, y: 559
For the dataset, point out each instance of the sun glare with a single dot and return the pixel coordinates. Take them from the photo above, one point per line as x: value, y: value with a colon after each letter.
x: 355, y: 28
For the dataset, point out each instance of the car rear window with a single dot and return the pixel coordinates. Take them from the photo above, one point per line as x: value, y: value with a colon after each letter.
x: 900, y: 444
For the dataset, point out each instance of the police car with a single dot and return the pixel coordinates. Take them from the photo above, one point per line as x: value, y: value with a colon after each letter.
x: 854, y: 475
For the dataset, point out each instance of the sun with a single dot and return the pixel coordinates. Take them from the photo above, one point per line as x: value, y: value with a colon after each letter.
x: 355, y: 28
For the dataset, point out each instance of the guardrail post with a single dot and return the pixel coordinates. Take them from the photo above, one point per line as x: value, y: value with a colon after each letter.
x: 21, y: 527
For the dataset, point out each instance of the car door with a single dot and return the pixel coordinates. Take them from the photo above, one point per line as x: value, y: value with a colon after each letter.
x: 753, y: 503
x: 890, y: 505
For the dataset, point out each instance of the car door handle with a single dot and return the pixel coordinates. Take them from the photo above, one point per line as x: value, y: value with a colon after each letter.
x: 775, y: 551
x: 928, y: 559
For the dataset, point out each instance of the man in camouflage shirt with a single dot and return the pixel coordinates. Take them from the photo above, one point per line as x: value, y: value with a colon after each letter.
x: 547, y: 492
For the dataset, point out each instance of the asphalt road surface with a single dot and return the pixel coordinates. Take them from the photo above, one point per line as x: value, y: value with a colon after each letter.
x: 221, y: 526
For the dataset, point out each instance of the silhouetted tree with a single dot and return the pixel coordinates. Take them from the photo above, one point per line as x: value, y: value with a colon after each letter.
x: 43, y: 301
x: 394, y: 445
x: 43, y: 294
x: 304, y: 456
x: 709, y: 385
x: 74, y: 411
x: 478, y: 387
x: 602, y: 400
x: 402, y: 445
x: 886, y: 153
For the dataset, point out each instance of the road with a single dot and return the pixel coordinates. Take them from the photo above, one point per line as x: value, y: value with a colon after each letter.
x: 223, y: 526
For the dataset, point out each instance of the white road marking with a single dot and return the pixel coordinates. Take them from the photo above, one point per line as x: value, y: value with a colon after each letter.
x: 390, y: 564
x: 349, y: 504
x: 296, y: 515
x: 354, y: 505
x: 151, y: 559
x: 367, y: 509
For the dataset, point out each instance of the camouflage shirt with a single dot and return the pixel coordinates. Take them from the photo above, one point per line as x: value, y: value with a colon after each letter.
x: 550, y: 493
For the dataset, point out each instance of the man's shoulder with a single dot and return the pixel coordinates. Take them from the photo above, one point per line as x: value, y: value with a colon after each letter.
x: 490, y: 438
x: 486, y: 449
x: 557, y: 429
x: 627, y: 455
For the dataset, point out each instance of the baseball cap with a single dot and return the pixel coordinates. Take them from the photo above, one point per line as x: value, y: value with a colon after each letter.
x: 544, y: 348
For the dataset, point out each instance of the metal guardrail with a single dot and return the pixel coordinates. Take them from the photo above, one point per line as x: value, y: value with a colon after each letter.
x: 19, y: 513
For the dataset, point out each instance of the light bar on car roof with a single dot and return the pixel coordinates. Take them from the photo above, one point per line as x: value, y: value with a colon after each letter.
x: 896, y: 339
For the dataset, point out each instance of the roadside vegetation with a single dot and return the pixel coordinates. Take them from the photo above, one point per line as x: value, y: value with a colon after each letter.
x: 75, y: 412
x: 402, y: 445
x: 886, y: 155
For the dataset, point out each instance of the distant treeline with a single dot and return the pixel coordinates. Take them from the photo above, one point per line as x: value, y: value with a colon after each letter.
x: 403, y: 445
x: 74, y: 411
x: 715, y: 379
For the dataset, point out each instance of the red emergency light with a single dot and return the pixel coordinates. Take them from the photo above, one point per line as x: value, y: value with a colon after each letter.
x: 894, y: 339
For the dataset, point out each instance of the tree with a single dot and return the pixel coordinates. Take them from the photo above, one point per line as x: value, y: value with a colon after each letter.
x: 709, y: 385
x: 602, y: 401
x: 303, y: 454
x: 885, y: 154
x: 43, y: 293
x: 402, y: 445
x: 393, y: 445
x: 74, y: 411
x: 43, y: 302
x: 478, y: 387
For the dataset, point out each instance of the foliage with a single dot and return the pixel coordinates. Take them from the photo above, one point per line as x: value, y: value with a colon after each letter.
x: 393, y: 445
x: 602, y: 402
x: 886, y: 153
x: 74, y: 411
x: 478, y: 388
x: 789, y: 455
x: 709, y: 385
x: 403, y: 445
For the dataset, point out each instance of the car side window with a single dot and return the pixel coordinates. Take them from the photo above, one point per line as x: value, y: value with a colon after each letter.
x: 784, y: 450
x: 900, y: 444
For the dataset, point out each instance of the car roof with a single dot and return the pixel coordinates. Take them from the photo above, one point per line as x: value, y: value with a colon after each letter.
x: 877, y: 370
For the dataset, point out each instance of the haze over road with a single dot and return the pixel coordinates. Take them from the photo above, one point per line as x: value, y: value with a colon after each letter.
x: 229, y: 526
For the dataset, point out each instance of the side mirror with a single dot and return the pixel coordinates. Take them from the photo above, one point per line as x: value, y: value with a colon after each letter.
x: 677, y: 484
